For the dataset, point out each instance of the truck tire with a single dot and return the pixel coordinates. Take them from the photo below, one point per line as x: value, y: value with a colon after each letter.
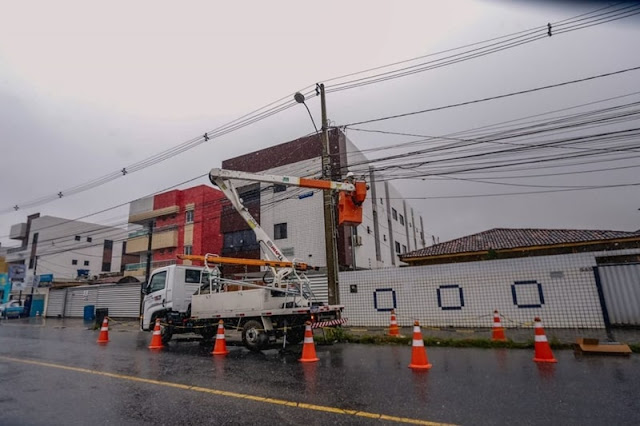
x: 295, y: 335
x: 208, y: 334
x: 166, y: 333
x: 253, y: 336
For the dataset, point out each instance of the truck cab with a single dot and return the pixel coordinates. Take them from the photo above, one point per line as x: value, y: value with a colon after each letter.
x: 169, y: 291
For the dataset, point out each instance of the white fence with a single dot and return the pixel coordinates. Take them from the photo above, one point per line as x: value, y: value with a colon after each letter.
x: 560, y: 289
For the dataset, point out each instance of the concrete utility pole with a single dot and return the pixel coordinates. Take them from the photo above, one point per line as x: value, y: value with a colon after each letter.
x: 329, y: 212
x: 147, y: 273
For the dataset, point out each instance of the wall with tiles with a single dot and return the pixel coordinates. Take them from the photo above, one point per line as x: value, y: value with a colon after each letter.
x: 560, y: 289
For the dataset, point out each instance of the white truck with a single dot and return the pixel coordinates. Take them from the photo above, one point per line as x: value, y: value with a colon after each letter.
x: 192, y: 299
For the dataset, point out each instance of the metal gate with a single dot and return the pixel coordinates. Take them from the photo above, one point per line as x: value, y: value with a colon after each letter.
x: 122, y: 300
x: 78, y: 298
x: 319, y: 287
x: 621, y: 292
x: 55, y: 304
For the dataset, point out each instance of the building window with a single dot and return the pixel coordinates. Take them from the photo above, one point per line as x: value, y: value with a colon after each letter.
x: 279, y: 231
x: 188, y: 249
x: 86, y: 263
x: 78, y: 238
x: 35, y: 238
x: 401, y: 220
x: 368, y: 229
x: 188, y: 217
x: 74, y: 261
x: 106, y: 266
x: 89, y: 239
x: 397, y: 247
x: 279, y: 188
x: 237, y: 241
x: 394, y: 214
x: 404, y: 248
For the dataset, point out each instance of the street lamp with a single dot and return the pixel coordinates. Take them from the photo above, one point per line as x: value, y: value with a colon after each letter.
x: 299, y: 97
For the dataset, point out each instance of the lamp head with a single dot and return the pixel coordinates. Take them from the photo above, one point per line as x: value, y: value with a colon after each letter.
x: 299, y: 97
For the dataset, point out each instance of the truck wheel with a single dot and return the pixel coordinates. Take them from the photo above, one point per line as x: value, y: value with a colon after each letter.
x: 208, y: 334
x: 253, y: 336
x: 295, y: 335
x: 166, y: 334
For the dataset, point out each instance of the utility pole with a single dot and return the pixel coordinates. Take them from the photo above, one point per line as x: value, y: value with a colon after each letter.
x: 148, y: 268
x: 329, y: 212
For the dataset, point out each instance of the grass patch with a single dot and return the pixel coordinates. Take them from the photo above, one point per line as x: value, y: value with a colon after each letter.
x: 345, y: 337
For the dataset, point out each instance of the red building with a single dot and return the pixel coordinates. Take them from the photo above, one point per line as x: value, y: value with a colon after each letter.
x: 184, y: 222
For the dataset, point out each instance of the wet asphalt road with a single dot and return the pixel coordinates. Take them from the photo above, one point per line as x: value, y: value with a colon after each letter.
x: 465, y: 386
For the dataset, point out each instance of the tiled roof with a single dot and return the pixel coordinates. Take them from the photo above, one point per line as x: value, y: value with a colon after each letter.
x: 502, y: 238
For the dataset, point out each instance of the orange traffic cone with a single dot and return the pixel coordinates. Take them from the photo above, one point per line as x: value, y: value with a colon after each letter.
x: 393, y: 327
x: 419, y: 358
x: 542, y: 348
x: 221, y: 344
x: 308, y: 348
x: 497, y: 334
x: 103, y: 337
x: 156, y: 339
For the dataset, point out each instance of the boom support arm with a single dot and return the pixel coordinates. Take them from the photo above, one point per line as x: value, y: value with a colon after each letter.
x: 352, y: 195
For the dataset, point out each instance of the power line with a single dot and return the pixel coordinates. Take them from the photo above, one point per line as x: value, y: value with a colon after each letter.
x: 492, y: 98
x: 282, y: 104
x: 445, y: 197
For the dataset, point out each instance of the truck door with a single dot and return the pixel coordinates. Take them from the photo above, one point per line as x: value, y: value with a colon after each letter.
x: 155, y: 298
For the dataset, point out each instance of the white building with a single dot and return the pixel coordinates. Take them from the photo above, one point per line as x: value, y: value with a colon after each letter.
x: 294, y: 217
x: 66, y: 249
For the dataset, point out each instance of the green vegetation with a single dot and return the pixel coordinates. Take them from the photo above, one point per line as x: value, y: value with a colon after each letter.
x: 345, y: 337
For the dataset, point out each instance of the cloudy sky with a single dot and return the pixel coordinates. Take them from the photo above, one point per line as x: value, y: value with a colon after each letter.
x: 86, y: 91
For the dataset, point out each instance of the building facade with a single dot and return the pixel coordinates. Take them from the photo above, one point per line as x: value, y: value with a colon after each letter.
x: 64, y: 249
x: 183, y: 222
x: 294, y: 218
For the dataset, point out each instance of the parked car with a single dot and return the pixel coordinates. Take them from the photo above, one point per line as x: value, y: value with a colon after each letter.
x: 12, y: 308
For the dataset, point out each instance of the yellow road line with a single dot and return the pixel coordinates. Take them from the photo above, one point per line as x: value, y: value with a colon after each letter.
x: 305, y: 406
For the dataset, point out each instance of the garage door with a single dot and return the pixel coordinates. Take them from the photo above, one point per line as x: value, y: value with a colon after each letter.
x: 55, y: 305
x: 621, y: 291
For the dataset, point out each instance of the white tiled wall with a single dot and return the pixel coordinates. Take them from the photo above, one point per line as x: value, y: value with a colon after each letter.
x: 469, y: 292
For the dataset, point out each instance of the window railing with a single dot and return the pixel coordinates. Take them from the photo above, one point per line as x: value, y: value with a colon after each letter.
x: 143, y: 265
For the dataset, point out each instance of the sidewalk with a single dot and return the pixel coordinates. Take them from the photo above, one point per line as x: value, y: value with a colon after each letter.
x: 519, y: 335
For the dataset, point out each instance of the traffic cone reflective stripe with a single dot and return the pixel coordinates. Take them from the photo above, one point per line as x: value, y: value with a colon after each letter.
x: 103, y: 337
x: 221, y: 344
x: 497, y: 334
x: 156, y: 339
x: 393, y: 327
x: 542, y: 349
x: 308, y: 347
x: 419, y: 358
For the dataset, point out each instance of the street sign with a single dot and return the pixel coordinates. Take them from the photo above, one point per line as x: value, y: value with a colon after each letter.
x: 46, y: 278
x: 17, y: 272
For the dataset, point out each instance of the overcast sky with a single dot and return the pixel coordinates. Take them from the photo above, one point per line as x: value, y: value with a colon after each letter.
x: 87, y: 90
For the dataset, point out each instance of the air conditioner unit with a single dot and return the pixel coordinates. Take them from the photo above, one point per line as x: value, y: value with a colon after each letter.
x: 357, y: 240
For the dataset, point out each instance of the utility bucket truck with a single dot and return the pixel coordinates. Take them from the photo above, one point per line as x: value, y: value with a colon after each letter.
x: 192, y: 299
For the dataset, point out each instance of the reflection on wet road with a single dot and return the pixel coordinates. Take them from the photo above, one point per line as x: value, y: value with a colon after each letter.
x: 61, y: 376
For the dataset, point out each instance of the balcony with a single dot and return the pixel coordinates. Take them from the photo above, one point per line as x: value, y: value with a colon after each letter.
x: 137, y: 245
x: 140, y: 269
x: 144, y: 217
x: 18, y: 231
x: 164, y: 238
